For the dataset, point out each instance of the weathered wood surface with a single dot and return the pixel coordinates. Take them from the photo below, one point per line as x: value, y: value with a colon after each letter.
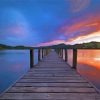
x: 51, y: 79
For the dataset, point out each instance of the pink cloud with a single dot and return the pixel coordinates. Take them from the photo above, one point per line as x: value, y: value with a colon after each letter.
x: 90, y: 23
x: 16, y: 30
x: 51, y: 43
x: 85, y: 30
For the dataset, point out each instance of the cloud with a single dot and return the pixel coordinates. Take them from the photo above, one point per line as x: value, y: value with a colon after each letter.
x: 78, y: 31
x: 13, y: 23
x: 15, y: 28
x: 95, y: 36
x: 51, y: 43
x: 78, y: 5
x: 81, y: 26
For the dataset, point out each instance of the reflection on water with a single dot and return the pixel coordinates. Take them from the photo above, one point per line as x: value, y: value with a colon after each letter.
x: 13, y: 64
x: 89, y: 65
x: 89, y: 57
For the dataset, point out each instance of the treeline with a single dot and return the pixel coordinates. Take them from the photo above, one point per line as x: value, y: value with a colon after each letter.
x: 90, y: 45
x: 93, y: 45
x: 2, y: 47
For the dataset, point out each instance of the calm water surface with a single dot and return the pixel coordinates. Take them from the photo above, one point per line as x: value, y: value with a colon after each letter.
x: 13, y: 64
x: 88, y: 65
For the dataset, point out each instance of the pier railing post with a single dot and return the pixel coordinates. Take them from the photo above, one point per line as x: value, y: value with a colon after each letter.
x: 59, y: 52
x: 46, y: 51
x: 39, y: 55
x: 74, y: 58
x: 31, y: 58
x: 62, y: 53
x: 42, y: 53
x: 66, y: 55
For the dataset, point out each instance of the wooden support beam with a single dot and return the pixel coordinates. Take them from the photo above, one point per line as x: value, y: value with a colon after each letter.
x: 46, y: 51
x: 42, y: 53
x: 62, y: 53
x: 66, y: 55
x: 59, y: 52
x: 31, y: 58
x: 39, y: 55
x: 74, y: 58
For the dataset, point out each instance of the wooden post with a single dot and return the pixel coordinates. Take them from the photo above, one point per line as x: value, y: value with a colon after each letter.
x: 61, y: 53
x: 74, y: 58
x: 31, y: 58
x: 46, y: 51
x: 42, y: 53
x: 66, y: 55
x: 39, y: 55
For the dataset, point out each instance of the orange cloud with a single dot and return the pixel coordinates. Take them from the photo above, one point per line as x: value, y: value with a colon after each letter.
x: 95, y: 36
x: 79, y: 31
x: 88, y: 25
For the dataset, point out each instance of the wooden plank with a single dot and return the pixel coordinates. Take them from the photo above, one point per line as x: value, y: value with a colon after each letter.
x: 51, y: 80
x: 52, y: 84
x: 49, y: 74
x: 49, y: 96
x: 64, y: 77
x: 53, y: 68
x: 50, y: 90
x: 56, y: 72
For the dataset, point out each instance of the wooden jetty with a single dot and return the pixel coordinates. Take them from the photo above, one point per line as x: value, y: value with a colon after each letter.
x: 51, y: 79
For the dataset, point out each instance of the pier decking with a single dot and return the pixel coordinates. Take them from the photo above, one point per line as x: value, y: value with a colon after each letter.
x: 51, y: 79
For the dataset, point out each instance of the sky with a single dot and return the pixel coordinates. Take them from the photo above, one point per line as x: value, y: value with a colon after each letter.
x: 48, y: 22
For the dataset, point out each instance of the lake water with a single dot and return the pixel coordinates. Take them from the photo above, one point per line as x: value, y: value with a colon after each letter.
x: 88, y: 65
x: 15, y: 63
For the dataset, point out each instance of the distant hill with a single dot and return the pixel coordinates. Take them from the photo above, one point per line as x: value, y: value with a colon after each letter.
x: 94, y: 45
x: 90, y: 45
x: 3, y: 46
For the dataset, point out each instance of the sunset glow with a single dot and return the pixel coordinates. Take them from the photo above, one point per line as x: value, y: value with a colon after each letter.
x: 80, y: 39
x: 88, y: 58
x: 86, y: 38
x: 49, y: 22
